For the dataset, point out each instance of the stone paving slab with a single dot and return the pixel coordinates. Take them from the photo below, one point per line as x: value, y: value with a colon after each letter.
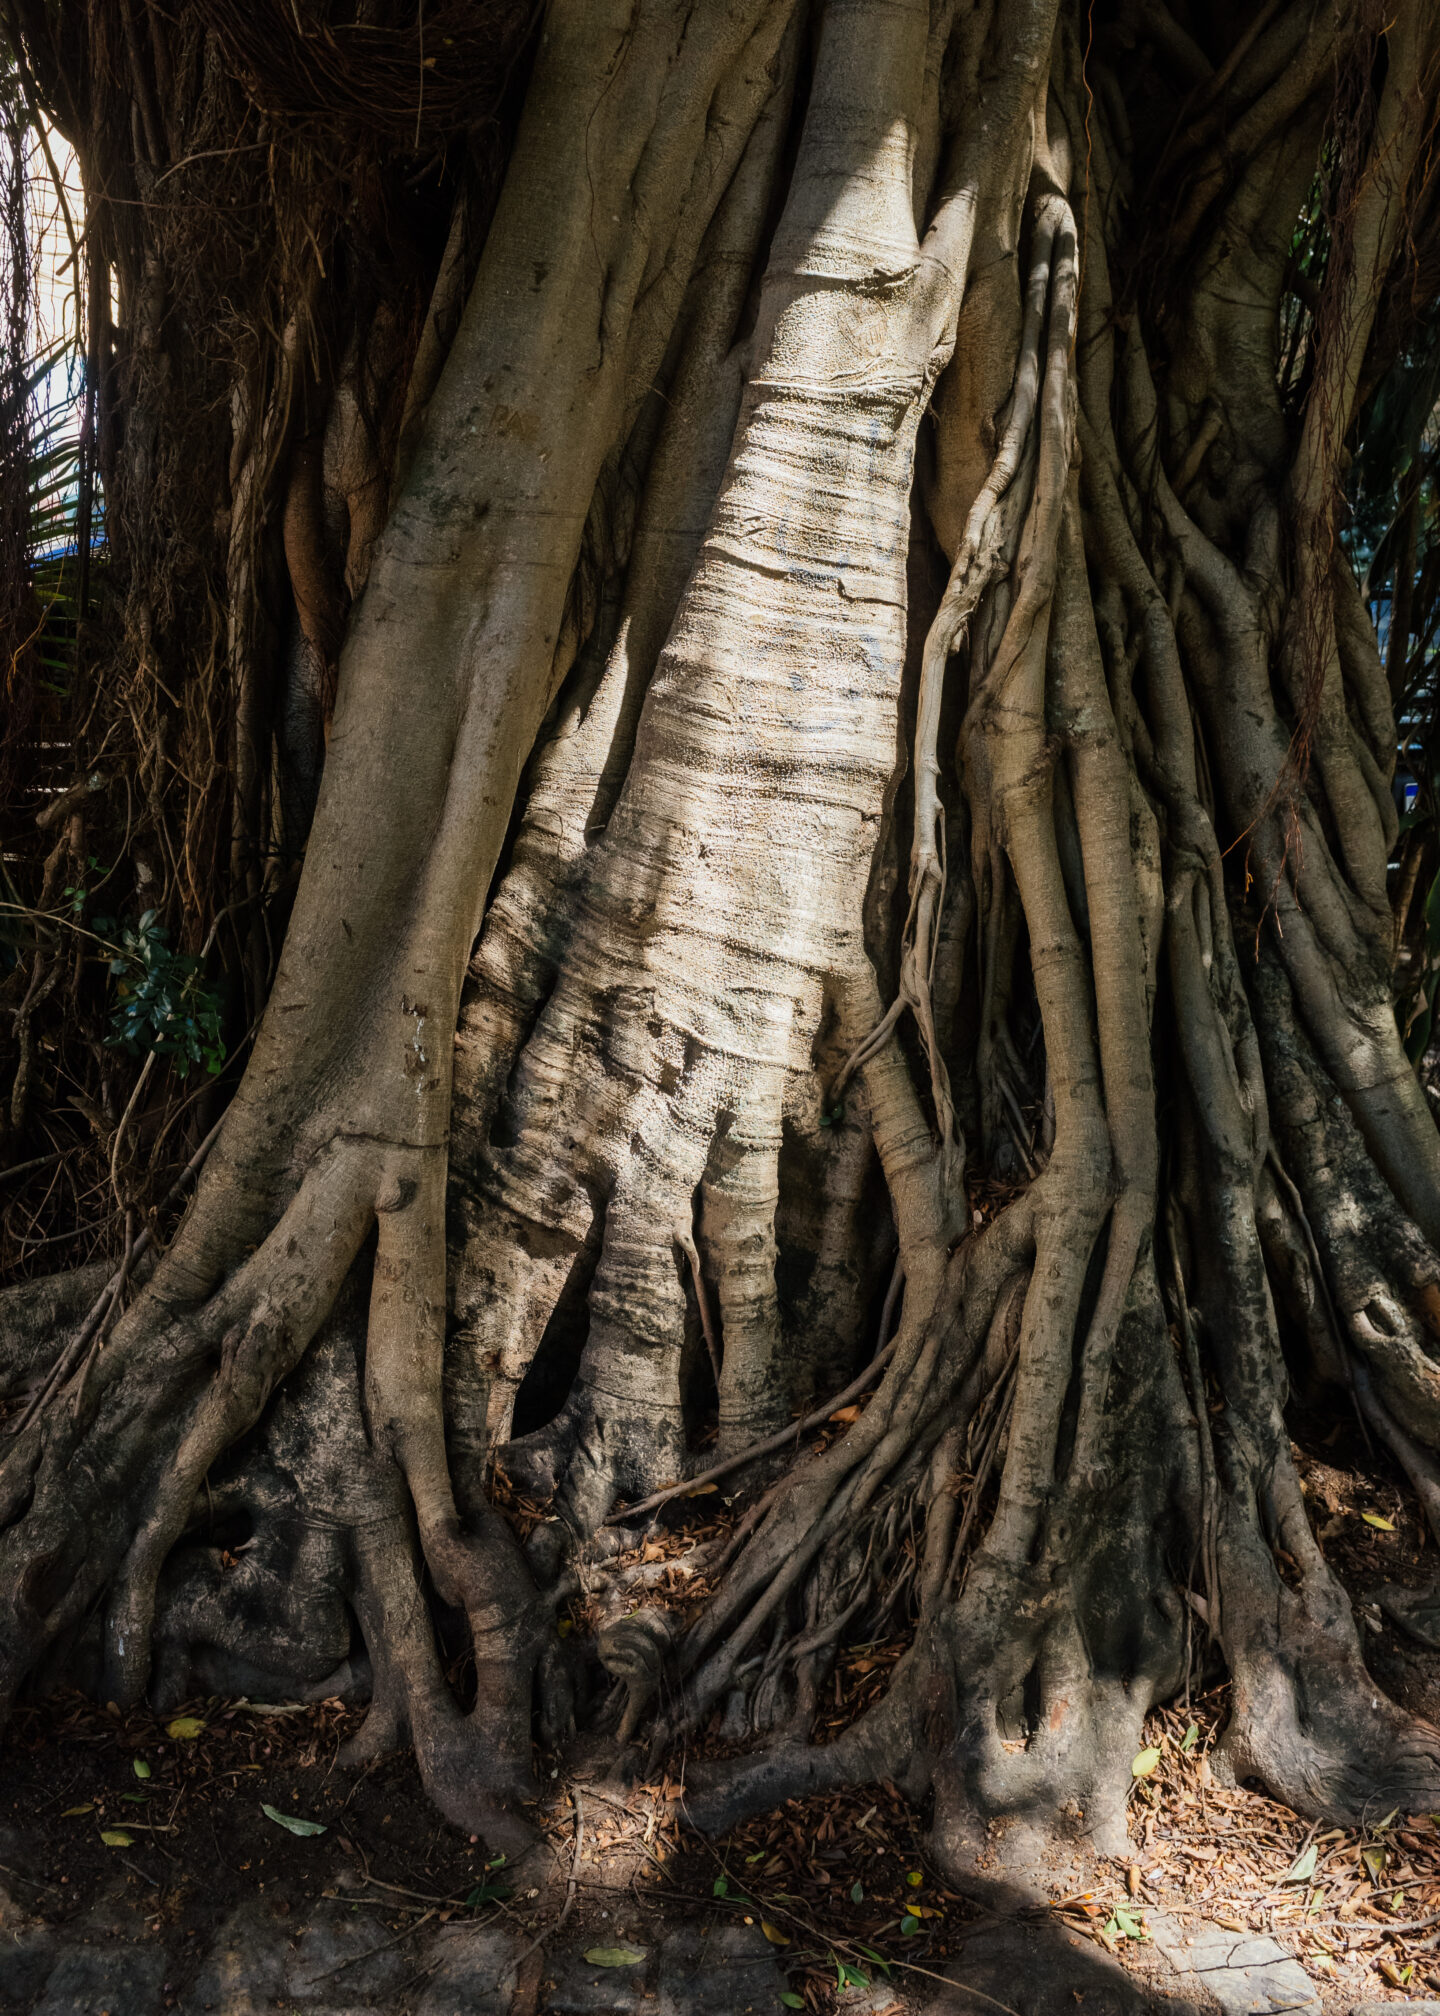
x: 104, y: 1981
x: 1041, y: 1969
x: 348, y: 1956
x: 722, y: 1969
x: 474, y: 1976
x: 244, y: 1969
x: 27, y: 1957
x: 1248, y: 1973
x: 330, y: 1959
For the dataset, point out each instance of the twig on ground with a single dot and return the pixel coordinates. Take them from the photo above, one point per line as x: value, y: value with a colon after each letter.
x: 370, y: 1951
x: 840, y: 1945
x: 514, y: 1966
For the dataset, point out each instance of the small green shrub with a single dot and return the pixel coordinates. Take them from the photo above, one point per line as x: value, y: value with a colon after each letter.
x: 162, y: 1002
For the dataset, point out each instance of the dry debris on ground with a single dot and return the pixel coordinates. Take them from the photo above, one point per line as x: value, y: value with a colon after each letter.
x: 184, y: 1817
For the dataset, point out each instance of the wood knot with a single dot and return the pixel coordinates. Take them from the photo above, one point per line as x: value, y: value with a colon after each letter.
x: 396, y: 1194
x: 634, y: 1648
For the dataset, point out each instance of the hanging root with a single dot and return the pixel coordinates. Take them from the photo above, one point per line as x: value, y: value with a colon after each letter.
x: 875, y: 1485
x: 987, y: 550
x: 1129, y: 1501
x: 1156, y: 975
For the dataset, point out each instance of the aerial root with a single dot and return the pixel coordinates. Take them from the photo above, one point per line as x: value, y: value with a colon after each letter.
x: 684, y: 1239
x: 987, y: 548
x: 769, y: 1446
x: 881, y: 1745
x: 108, y: 1304
x: 266, y: 1317
x: 252, y: 1363
x: 1417, y: 1463
x: 852, y: 1527
x: 475, y: 1767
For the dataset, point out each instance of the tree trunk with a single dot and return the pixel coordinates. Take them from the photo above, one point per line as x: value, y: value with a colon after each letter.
x: 653, y: 668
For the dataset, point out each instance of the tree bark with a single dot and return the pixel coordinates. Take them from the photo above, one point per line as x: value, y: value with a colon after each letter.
x: 609, y: 1072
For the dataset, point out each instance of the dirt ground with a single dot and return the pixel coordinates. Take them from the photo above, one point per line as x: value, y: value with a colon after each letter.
x: 159, y: 1830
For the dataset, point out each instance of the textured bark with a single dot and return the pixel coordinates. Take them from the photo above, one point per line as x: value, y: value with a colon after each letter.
x: 656, y: 664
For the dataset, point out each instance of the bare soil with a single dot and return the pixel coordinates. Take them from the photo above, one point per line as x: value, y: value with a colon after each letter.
x: 156, y: 1828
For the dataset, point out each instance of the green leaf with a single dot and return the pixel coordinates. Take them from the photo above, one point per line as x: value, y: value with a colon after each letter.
x: 720, y: 1887
x: 136, y: 1798
x: 750, y: 1859
x: 615, y: 1956
x: 292, y: 1822
x: 857, y: 1893
x: 487, y: 1893
x: 116, y: 1837
x: 1144, y: 1762
x: 914, y: 1877
x: 1303, y: 1868
x: 1190, y: 1738
x: 140, y: 1768
x: 791, y: 2000
x: 909, y: 1926
x: 851, y: 1977
x: 1123, y: 1924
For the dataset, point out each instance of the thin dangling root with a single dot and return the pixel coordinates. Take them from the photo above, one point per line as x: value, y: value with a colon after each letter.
x: 985, y: 549
x: 628, y: 1514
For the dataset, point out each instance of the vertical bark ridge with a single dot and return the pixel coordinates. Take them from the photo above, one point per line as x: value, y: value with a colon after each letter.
x: 639, y: 616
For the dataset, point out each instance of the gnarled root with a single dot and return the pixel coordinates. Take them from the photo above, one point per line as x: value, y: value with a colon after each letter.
x: 286, y: 1525
x: 1148, y: 1512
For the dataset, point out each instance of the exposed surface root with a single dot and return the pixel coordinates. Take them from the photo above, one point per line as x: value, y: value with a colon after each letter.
x: 1146, y: 1142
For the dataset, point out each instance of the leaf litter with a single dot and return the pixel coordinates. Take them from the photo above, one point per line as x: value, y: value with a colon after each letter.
x: 837, y: 1884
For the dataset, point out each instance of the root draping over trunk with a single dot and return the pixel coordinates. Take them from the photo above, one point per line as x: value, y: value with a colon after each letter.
x: 825, y: 454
